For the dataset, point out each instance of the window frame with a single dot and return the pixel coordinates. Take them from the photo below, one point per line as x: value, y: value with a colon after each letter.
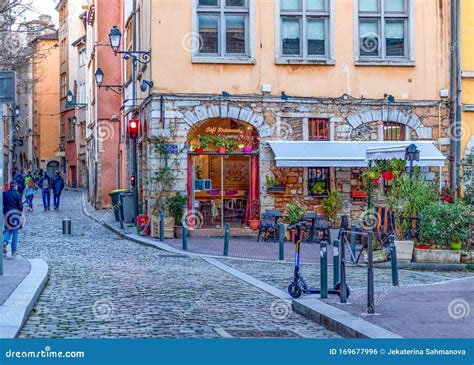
x: 382, y: 16
x: 311, y: 181
x: 326, y: 121
x: 304, y: 15
x: 404, y: 129
x: 221, y: 10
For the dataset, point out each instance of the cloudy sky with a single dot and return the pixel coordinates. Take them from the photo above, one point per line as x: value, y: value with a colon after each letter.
x: 44, y: 7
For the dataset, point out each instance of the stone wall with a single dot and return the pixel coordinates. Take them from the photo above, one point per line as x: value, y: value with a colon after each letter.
x: 276, y: 119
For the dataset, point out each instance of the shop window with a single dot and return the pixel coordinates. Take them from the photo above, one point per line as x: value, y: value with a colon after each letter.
x: 71, y: 130
x: 128, y: 45
x: 393, y: 131
x: 223, y: 27
x: 304, y: 28
x: 318, y: 129
x: 318, y: 181
x: 383, y: 29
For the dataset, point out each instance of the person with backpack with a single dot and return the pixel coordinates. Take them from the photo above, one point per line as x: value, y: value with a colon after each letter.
x: 28, y: 177
x: 13, y: 220
x: 20, y: 180
x: 30, y: 192
x: 44, y: 184
x: 58, y: 186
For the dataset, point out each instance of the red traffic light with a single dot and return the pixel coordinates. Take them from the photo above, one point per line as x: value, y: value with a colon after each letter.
x: 133, y: 181
x: 133, y: 125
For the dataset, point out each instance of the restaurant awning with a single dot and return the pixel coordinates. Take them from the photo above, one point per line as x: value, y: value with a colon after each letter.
x: 349, y: 153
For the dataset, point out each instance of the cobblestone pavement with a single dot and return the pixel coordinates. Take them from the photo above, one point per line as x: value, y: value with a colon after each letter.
x: 280, y: 275
x: 102, y: 286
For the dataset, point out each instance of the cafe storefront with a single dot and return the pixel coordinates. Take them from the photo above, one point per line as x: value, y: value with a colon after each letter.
x: 222, y: 172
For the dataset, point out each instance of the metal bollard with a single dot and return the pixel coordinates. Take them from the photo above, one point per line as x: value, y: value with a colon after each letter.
x: 162, y: 226
x: 185, y: 237
x: 226, y: 239
x: 342, y: 272
x: 323, y: 252
x: 281, y: 232
x: 353, y: 242
x: 67, y: 227
x: 393, y: 260
x: 335, y: 262
x: 370, y: 276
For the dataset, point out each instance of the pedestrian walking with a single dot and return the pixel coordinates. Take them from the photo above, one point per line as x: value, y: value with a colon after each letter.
x: 28, y: 177
x: 13, y: 219
x: 58, y: 186
x: 44, y: 184
x: 19, y: 177
x: 30, y: 192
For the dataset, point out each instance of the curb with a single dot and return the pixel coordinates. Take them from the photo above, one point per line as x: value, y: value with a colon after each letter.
x: 17, y: 308
x: 425, y: 266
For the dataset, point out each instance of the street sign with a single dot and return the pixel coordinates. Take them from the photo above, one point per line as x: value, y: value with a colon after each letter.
x: 7, y: 87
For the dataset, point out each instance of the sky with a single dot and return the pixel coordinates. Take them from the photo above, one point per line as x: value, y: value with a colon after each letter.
x: 43, y: 7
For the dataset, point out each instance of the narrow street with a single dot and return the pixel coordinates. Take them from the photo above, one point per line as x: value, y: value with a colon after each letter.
x: 102, y: 286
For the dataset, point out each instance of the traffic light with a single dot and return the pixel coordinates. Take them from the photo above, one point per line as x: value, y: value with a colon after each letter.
x: 133, y: 181
x: 133, y: 125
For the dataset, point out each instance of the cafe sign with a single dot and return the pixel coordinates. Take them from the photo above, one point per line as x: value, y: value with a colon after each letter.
x: 220, y: 130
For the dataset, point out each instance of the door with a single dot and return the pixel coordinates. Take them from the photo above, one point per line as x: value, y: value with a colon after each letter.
x: 73, y: 177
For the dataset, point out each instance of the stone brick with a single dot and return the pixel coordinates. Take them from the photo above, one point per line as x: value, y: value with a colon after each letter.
x: 425, y: 133
x: 234, y: 112
x: 201, y: 113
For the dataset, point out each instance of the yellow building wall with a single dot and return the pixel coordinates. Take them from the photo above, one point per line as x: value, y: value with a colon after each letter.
x: 173, y: 70
x: 46, y: 98
x: 467, y: 66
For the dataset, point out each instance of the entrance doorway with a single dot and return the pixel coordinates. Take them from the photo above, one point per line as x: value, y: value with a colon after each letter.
x: 222, y: 185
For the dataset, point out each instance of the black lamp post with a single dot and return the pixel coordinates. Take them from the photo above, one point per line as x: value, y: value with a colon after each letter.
x: 71, y: 101
x: 412, y: 154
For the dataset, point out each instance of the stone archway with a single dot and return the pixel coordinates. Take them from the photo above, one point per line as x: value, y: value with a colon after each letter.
x: 391, y: 115
x: 202, y: 113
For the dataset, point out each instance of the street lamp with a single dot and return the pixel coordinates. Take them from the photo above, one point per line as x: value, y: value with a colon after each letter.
x: 115, y: 37
x: 99, y: 76
x: 71, y: 101
x: 99, y: 79
x: 17, y: 110
x: 74, y: 120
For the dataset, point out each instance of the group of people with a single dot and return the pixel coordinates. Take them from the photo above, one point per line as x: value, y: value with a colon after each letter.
x: 26, y: 184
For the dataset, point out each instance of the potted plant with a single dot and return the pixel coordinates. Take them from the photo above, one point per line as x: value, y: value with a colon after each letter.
x: 254, y: 221
x: 379, y: 253
x: 319, y: 188
x: 245, y: 142
x: 406, y: 199
x: 204, y: 143
x: 176, y: 208
x: 221, y: 144
x: 273, y: 186
x: 446, y: 227
x: 332, y: 205
x: 295, y: 213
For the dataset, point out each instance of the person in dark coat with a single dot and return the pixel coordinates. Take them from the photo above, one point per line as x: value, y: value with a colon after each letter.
x: 13, y: 218
x: 58, y: 186
x: 19, y: 177
x: 45, y: 185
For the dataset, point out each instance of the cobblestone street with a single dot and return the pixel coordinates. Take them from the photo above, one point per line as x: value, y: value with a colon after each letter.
x: 102, y: 286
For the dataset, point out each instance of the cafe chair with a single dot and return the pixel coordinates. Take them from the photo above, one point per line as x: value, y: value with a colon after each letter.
x: 321, y: 227
x: 309, y: 219
x: 268, y: 227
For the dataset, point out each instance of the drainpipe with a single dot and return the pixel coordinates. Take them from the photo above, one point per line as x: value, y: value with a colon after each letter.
x: 162, y: 111
x: 453, y: 101
x: 459, y: 99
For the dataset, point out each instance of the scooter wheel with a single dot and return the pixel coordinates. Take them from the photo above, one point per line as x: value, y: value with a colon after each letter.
x: 294, y: 290
x: 348, y: 290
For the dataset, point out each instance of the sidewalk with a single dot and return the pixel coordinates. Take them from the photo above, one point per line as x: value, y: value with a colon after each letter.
x: 20, y: 286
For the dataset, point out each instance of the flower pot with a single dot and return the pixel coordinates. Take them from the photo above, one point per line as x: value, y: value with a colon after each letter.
x: 143, y: 225
x: 444, y: 256
x: 455, y: 246
x: 388, y: 175
x: 292, y: 235
x: 448, y: 198
x: 404, y: 250
x: 254, y: 224
x: 199, y: 150
x: 377, y: 256
x: 359, y: 195
x: 221, y: 149
x: 247, y: 149
x: 276, y: 189
x: 422, y: 247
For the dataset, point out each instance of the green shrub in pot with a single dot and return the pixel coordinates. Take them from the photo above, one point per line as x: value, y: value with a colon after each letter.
x: 332, y: 205
x: 176, y: 207
x: 295, y: 212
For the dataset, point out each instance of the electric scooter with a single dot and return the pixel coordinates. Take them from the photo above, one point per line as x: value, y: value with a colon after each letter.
x: 299, y: 285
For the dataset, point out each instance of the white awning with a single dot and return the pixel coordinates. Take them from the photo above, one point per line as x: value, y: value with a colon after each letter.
x: 348, y: 153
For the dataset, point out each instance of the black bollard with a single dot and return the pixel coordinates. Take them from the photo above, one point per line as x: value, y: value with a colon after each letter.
x: 162, y: 226
x: 281, y: 234
x: 185, y: 237
x: 370, y: 275
x: 226, y: 239
x: 67, y: 227
x: 323, y: 251
x: 393, y: 260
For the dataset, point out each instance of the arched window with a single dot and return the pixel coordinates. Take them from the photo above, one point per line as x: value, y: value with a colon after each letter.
x: 394, y: 131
